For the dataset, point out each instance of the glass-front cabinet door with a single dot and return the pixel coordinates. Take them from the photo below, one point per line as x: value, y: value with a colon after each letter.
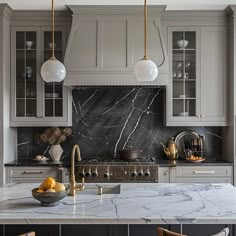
x: 25, y: 86
x: 184, y: 90
x: 35, y: 102
x: 54, y: 93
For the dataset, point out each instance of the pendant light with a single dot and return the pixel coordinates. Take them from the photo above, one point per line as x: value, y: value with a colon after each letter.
x: 53, y: 70
x: 145, y: 69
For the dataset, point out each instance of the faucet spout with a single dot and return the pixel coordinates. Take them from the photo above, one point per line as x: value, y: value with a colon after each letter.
x: 73, y: 187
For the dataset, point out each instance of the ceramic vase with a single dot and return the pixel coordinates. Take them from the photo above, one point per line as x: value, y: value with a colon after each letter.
x: 55, y: 151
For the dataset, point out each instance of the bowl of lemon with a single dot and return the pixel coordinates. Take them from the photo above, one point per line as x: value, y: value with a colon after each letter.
x: 50, y: 192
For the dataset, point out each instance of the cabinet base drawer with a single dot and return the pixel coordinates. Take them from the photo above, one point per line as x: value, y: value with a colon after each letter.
x: 204, y: 171
x: 33, y: 172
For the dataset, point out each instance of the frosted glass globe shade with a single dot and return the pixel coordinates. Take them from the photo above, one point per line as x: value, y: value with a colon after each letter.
x: 53, y: 70
x: 145, y: 70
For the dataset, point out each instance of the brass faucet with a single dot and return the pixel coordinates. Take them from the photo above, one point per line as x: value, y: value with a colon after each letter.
x: 73, y: 185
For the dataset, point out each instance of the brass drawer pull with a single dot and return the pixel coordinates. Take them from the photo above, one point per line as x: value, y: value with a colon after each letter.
x: 203, y: 171
x: 32, y: 172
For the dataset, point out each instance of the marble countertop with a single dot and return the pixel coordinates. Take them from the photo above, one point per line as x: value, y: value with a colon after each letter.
x: 136, y: 204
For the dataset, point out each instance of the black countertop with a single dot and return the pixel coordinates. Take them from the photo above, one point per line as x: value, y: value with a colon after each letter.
x: 160, y: 162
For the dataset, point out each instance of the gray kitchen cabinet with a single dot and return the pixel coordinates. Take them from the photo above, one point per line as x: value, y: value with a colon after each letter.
x: 195, y: 174
x: 164, y: 174
x: 197, y: 94
x: 95, y: 229
x: 202, y: 174
x: 105, y: 43
x: 30, y: 174
x: 33, y: 101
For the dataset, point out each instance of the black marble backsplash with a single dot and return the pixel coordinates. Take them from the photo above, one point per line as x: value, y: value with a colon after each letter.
x: 105, y: 120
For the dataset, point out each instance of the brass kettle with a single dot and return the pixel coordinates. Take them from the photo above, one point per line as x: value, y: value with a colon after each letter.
x: 171, y: 150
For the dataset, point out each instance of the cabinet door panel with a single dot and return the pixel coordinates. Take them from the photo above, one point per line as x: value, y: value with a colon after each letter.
x: 88, y: 230
x: 114, y: 43
x: 40, y: 230
x: 213, y: 74
x: 84, y: 33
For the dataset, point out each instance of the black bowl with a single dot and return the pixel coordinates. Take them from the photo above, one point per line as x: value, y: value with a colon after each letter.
x: 49, y: 199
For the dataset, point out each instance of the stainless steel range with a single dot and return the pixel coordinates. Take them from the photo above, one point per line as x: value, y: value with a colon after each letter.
x: 115, y: 170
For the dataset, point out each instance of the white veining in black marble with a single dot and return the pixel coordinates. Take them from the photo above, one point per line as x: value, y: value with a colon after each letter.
x: 106, y: 120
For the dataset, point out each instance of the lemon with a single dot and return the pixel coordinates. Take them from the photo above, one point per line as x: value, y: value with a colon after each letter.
x: 59, y: 187
x: 40, y: 190
x: 42, y: 187
x: 51, y: 190
x: 49, y: 182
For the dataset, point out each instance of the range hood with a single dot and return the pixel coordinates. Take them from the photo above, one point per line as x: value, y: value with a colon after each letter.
x: 106, y: 41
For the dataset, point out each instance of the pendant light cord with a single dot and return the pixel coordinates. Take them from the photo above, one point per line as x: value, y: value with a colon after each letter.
x: 145, y: 30
x: 53, y: 55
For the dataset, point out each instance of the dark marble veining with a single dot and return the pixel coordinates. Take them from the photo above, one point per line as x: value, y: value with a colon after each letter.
x: 106, y: 120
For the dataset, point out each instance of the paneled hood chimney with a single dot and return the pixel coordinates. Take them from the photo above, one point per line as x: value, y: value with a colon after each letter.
x: 106, y: 41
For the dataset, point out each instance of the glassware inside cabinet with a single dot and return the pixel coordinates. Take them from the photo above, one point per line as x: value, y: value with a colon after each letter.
x: 184, y: 73
x: 26, y: 74
x: 53, y: 92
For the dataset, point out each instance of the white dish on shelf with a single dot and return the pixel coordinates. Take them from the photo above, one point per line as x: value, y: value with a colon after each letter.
x: 182, y: 43
x: 184, y: 113
x: 182, y: 96
x: 50, y: 45
x: 29, y: 44
x: 52, y: 95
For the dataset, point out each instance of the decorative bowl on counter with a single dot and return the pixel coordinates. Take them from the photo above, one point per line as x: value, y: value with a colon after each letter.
x: 196, y: 159
x: 41, y: 159
x: 49, y: 199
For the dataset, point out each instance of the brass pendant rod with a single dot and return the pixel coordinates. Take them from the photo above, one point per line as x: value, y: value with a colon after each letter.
x: 53, y: 54
x: 145, y: 30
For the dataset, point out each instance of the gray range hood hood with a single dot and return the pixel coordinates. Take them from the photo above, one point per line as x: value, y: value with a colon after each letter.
x: 106, y: 41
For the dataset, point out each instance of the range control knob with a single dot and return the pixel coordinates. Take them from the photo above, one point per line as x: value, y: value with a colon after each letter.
x: 147, y: 173
x: 134, y: 173
x: 140, y: 173
x: 106, y: 174
x: 88, y: 173
x: 82, y: 174
x: 95, y: 173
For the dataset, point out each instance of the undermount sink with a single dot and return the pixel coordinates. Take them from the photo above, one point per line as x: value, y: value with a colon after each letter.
x: 106, y: 189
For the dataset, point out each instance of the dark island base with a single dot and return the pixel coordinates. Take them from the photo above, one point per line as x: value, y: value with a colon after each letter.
x: 111, y: 230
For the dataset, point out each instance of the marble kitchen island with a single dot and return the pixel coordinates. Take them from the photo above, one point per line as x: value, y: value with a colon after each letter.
x: 136, y: 204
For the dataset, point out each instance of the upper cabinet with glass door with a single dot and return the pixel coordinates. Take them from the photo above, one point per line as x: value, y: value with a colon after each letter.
x: 198, y: 81
x: 184, y: 57
x: 34, y: 102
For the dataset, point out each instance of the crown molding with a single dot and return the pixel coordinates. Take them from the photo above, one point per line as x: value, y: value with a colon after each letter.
x: 5, y: 10
x: 115, y: 9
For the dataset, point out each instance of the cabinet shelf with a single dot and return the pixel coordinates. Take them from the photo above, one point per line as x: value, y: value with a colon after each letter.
x: 54, y: 50
x: 186, y: 98
x: 27, y: 98
x: 184, y: 80
x: 25, y: 49
x: 53, y: 98
x: 184, y: 49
